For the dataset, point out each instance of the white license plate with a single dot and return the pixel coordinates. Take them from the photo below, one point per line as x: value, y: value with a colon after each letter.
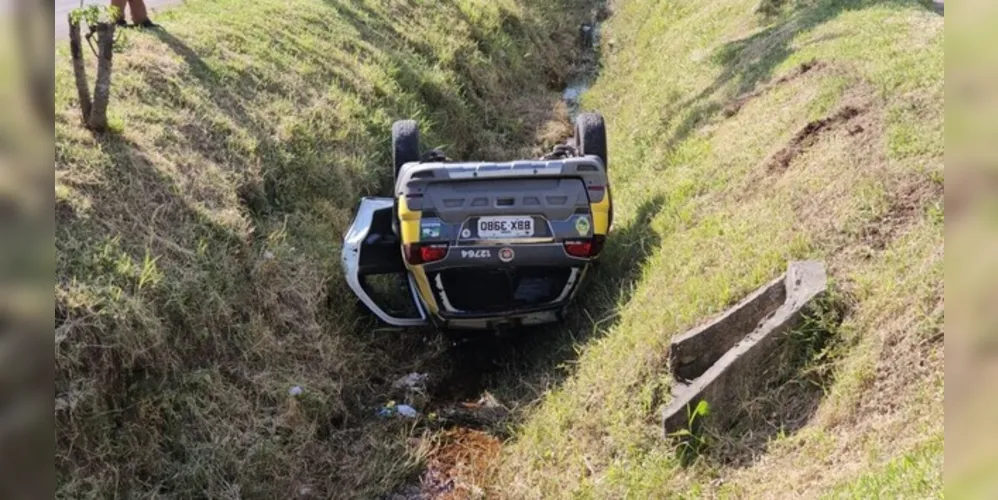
x: 505, y: 227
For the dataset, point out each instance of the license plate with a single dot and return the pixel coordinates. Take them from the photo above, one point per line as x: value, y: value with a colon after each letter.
x: 505, y: 227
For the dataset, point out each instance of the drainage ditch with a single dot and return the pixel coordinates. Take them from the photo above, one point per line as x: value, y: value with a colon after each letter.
x: 586, y: 68
x: 452, y: 391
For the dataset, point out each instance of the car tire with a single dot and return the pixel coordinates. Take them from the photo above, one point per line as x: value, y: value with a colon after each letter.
x: 405, y: 145
x: 590, y: 139
x: 590, y: 136
x: 405, y: 148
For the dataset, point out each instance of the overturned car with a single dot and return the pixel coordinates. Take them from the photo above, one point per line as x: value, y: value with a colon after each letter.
x: 479, y: 245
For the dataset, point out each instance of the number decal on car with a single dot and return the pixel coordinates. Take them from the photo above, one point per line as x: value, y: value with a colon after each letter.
x: 476, y: 254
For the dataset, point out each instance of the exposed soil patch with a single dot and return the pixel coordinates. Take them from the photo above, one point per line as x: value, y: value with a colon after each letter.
x: 905, y: 359
x: 807, y: 136
x: 464, y: 423
x: 908, y: 205
x: 459, y: 462
x: 733, y: 108
x: 906, y: 356
x: 459, y: 459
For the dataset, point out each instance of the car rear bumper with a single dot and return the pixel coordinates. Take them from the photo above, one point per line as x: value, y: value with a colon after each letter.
x: 534, y: 296
x: 495, y: 321
x: 505, y: 255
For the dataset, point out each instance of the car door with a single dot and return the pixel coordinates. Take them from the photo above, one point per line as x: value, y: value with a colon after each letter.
x: 374, y: 269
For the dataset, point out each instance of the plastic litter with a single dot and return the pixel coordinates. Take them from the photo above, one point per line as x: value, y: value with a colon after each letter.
x: 407, y: 411
x: 391, y: 409
x: 413, y: 382
x: 295, y: 391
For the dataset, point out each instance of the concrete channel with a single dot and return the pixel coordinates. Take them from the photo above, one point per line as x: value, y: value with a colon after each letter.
x: 717, y: 362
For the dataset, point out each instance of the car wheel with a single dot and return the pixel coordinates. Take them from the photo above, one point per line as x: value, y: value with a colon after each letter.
x: 590, y: 136
x: 405, y: 148
x: 405, y: 145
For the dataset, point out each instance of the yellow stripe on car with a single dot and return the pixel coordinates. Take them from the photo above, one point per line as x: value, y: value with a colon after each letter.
x: 423, y: 284
x: 409, y: 220
x: 601, y: 215
x: 409, y: 226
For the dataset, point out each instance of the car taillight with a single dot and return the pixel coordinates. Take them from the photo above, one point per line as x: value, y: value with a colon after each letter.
x: 424, y: 254
x: 578, y: 248
x: 585, y: 248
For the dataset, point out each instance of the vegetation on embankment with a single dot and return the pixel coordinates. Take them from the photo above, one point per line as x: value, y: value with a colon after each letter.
x: 739, y: 142
x: 198, y: 241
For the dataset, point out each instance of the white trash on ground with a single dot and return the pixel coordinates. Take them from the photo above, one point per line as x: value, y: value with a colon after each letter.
x: 413, y: 382
x: 391, y: 409
x: 407, y: 411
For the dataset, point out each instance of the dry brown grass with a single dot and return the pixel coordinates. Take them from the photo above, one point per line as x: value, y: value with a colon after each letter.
x: 460, y: 461
x: 556, y: 130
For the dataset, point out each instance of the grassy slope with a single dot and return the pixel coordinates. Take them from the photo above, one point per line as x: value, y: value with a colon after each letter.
x: 865, y: 196
x: 198, y: 244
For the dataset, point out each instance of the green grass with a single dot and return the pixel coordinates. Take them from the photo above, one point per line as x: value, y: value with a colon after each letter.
x: 198, y: 274
x: 198, y: 242
x: 911, y: 475
x: 864, y: 196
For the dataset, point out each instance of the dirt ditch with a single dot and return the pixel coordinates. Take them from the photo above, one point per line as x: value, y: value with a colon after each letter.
x: 585, y: 68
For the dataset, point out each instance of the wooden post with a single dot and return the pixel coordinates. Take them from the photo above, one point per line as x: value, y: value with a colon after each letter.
x: 79, y: 69
x: 102, y: 88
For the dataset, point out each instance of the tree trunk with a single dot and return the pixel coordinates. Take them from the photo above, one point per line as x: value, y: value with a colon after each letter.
x: 79, y: 69
x: 102, y: 89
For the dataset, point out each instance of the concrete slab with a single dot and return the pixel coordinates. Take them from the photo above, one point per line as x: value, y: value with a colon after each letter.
x: 754, y: 329
x: 693, y: 352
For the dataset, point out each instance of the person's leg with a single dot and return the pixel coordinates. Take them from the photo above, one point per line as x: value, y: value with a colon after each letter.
x: 139, y: 13
x: 120, y: 4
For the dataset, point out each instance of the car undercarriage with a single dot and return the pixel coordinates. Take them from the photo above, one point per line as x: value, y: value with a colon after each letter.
x: 482, y: 245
